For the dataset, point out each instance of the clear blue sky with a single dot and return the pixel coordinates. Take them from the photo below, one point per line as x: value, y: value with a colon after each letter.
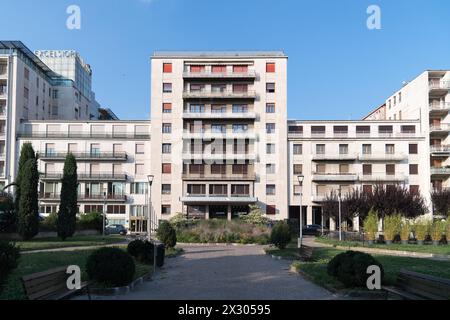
x: 338, y: 69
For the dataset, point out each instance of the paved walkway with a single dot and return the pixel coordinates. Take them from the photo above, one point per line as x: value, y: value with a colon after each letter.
x: 226, y: 273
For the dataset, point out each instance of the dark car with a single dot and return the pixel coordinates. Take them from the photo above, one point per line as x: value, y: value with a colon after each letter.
x: 314, y: 230
x: 116, y: 229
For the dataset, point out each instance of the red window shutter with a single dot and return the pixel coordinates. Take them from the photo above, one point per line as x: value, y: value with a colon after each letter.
x: 167, y: 106
x: 240, y: 69
x: 167, y: 68
x: 166, y: 168
x: 271, y: 209
x: 270, y: 67
x: 218, y: 69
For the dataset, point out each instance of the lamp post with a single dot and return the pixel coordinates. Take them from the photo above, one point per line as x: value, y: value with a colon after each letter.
x: 104, y: 213
x: 149, y: 228
x: 340, y: 215
x: 300, y: 178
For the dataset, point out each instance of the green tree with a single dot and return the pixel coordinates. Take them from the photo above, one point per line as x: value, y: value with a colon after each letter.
x: 67, y: 215
x: 28, y: 224
x: 26, y: 153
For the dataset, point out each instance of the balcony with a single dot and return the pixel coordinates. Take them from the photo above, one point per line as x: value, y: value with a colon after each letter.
x: 334, y: 157
x: 398, y: 177
x: 317, y: 176
x: 87, y: 176
x: 219, y: 156
x: 82, y: 135
x: 2, y: 112
x: 440, y: 108
x: 207, y: 74
x: 218, y: 199
x: 442, y: 171
x: 81, y: 156
x: 382, y: 157
x: 3, y: 71
x: 3, y: 91
x: 440, y: 150
x: 213, y: 176
x: 443, y: 128
x: 85, y: 198
x: 318, y: 197
x: 220, y: 94
x: 219, y: 115
x: 439, y: 87
x: 208, y: 135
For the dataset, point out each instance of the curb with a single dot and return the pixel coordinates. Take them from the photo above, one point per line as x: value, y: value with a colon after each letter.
x: 120, y: 290
x: 218, y: 244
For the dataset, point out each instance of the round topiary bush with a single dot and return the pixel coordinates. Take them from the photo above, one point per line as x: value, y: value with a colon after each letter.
x: 111, y: 266
x: 136, y: 248
x: 351, y: 268
x: 281, y: 235
x: 9, y: 258
x: 147, y: 255
x: 166, y: 234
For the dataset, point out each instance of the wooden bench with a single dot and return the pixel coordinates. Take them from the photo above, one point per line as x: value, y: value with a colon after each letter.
x: 305, y: 253
x: 417, y: 286
x: 50, y: 285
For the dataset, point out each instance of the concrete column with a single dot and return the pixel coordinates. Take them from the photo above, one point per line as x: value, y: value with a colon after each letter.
x: 332, y: 224
x: 229, y: 213
x: 356, y: 224
x: 309, y: 215
x: 207, y: 213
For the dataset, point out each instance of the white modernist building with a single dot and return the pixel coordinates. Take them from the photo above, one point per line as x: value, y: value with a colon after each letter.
x: 219, y: 140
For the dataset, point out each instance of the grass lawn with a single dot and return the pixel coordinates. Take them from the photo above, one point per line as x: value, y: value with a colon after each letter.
x: 317, y: 270
x: 77, y: 241
x: 441, y: 249
x: 290, y: 252
x: 174, y: 252
x: 36, y: 262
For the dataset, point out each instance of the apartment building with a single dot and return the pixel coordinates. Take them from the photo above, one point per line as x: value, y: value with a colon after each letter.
x: 30, y: 90
x: 219, y: 133
x: 427, y: 98
x: 350, y: 155
x: 113, y: 159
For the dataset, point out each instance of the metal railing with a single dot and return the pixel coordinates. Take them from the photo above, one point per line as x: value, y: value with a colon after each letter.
x: 224, y: 74
x: 445, y: 85
x: 85, y: 155
x: 324, y: 176
x: 88, y: 176
x: 440, y: 149
x: 215, y: 176
x: 440, y: 106
x: 219, y: 94
x: 219, y: 115
x: 382, y: 177
x: 82, y: 135
x: 85, y: 197
x: 440, y: 171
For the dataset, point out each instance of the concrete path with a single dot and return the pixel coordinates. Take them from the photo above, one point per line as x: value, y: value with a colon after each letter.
x: 227, y: 273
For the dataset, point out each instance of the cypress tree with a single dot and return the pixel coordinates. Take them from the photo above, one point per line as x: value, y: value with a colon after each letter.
x: 68, y: 208
x: 26, y: 153
x: 28, y: 224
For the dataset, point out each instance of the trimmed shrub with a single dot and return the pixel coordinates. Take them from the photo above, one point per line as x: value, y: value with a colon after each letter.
x: 49, y: 223
x: 147, y: 255
x: 350, y: 268
x: 136, y: 248
x: 392, y: 226
x: 160, y: 255
x: 405, y: 230
x: 371, y: 225
x: 167, y: 234
x: 9, y: 259
x: 280, y: 235
x: 90, y: 221
x: 111, y: 266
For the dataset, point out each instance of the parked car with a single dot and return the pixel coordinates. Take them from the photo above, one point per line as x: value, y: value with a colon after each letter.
x: 116, y: 229
x: 314, y: 230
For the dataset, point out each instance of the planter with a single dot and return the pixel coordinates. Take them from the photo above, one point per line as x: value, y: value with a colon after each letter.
x: 435, y: 242
x: 405, y: 241
x: 388, y: 242
x: 420, y: 242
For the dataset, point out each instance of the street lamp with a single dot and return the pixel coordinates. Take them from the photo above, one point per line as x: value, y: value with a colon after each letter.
x: 149, y: 229
x: 340, y: 215
x: 104, y: 212
x: 300, y: 178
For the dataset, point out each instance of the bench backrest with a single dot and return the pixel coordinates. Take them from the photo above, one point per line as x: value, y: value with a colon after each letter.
x: 424, y: 285
x: 39, y: 285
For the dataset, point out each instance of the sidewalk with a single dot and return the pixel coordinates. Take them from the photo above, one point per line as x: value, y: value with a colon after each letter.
x: 310, y: 241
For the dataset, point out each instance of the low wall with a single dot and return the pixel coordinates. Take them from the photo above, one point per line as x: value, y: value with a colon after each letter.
x: 51, y: 234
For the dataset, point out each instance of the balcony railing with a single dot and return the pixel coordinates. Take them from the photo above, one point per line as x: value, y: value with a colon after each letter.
x: 319, y: 176
x: 88, y: 176
x: 3, y: 70
x: 318, y: 197
x: 215, y: 176
x: 3, y: 91
x: 219, y: 115
x: 332, y: 157
x: 440, y: 149
x: 439, y: 85
x: 440, y: 171
x: 85, y: 156
x: 207, y: 135
x: 85, y: 197
x: 382, y: 177
x: 227, y: 74
x: 382, y: 157
x: 82, y: 135
x: 218, y: 156
x: 219, y: 94
x: 444, y: 106
x: 443, y: 127
x: 203, y: 198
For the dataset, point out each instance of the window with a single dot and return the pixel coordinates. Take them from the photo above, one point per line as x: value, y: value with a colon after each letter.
x: 197, y: 168
x: 167, y: 87
x: 367, y: 149
x: 413, y: 149
x: 95, y: 149
x: 414, y: 189
x: 167, y: 67
x: 167, y: 108
x: 166, y: 128
x: 218, y: 190
x: 240, y: 87
x: 218, y: 128
x: 197, y: 108
x: 219, y: 108
x: 321, y: 168
x: 320, y: 149
x: 166, y: 168
x: 270, y: 67
x: 270, y: 87
x: 271, y: 209
x: 139, y: 188
x: 239, y: 108
x: 26, y: 73
x: 166, y: 188
x: 240, y: 169
x: 50, y: 149
x: 140, y: 148
x: 116, y: 209
x: 399, y: 97
x: 218, y: 69
x: 297, y: 190
x: 240, y: 128
x: 218, y: 169
x: 270, y: 128
x: 270, y: 189
x: 270, y: 168
x: 139, y: 168
x: 165, y: 209
x: 367, y: 188
x: 240, y: 69
x: 318, y: 131
x: 240, y: 189
x: 340, y: 131
x: 367, y: 169
x: 295, y: 129
x: 93, y: 208
x: 270, y: 108
x: 297, y: 148
x: 270, y: 148
x: 197, y: 69
x: 166, y: 148
x: 343, y: 149
x: 390, y: 149
x: 413, y: 169
x: 363, y: 130
x: 390, y: 169
x: 344, y: 168
x: 298, y: 169
x: 25, y: 92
